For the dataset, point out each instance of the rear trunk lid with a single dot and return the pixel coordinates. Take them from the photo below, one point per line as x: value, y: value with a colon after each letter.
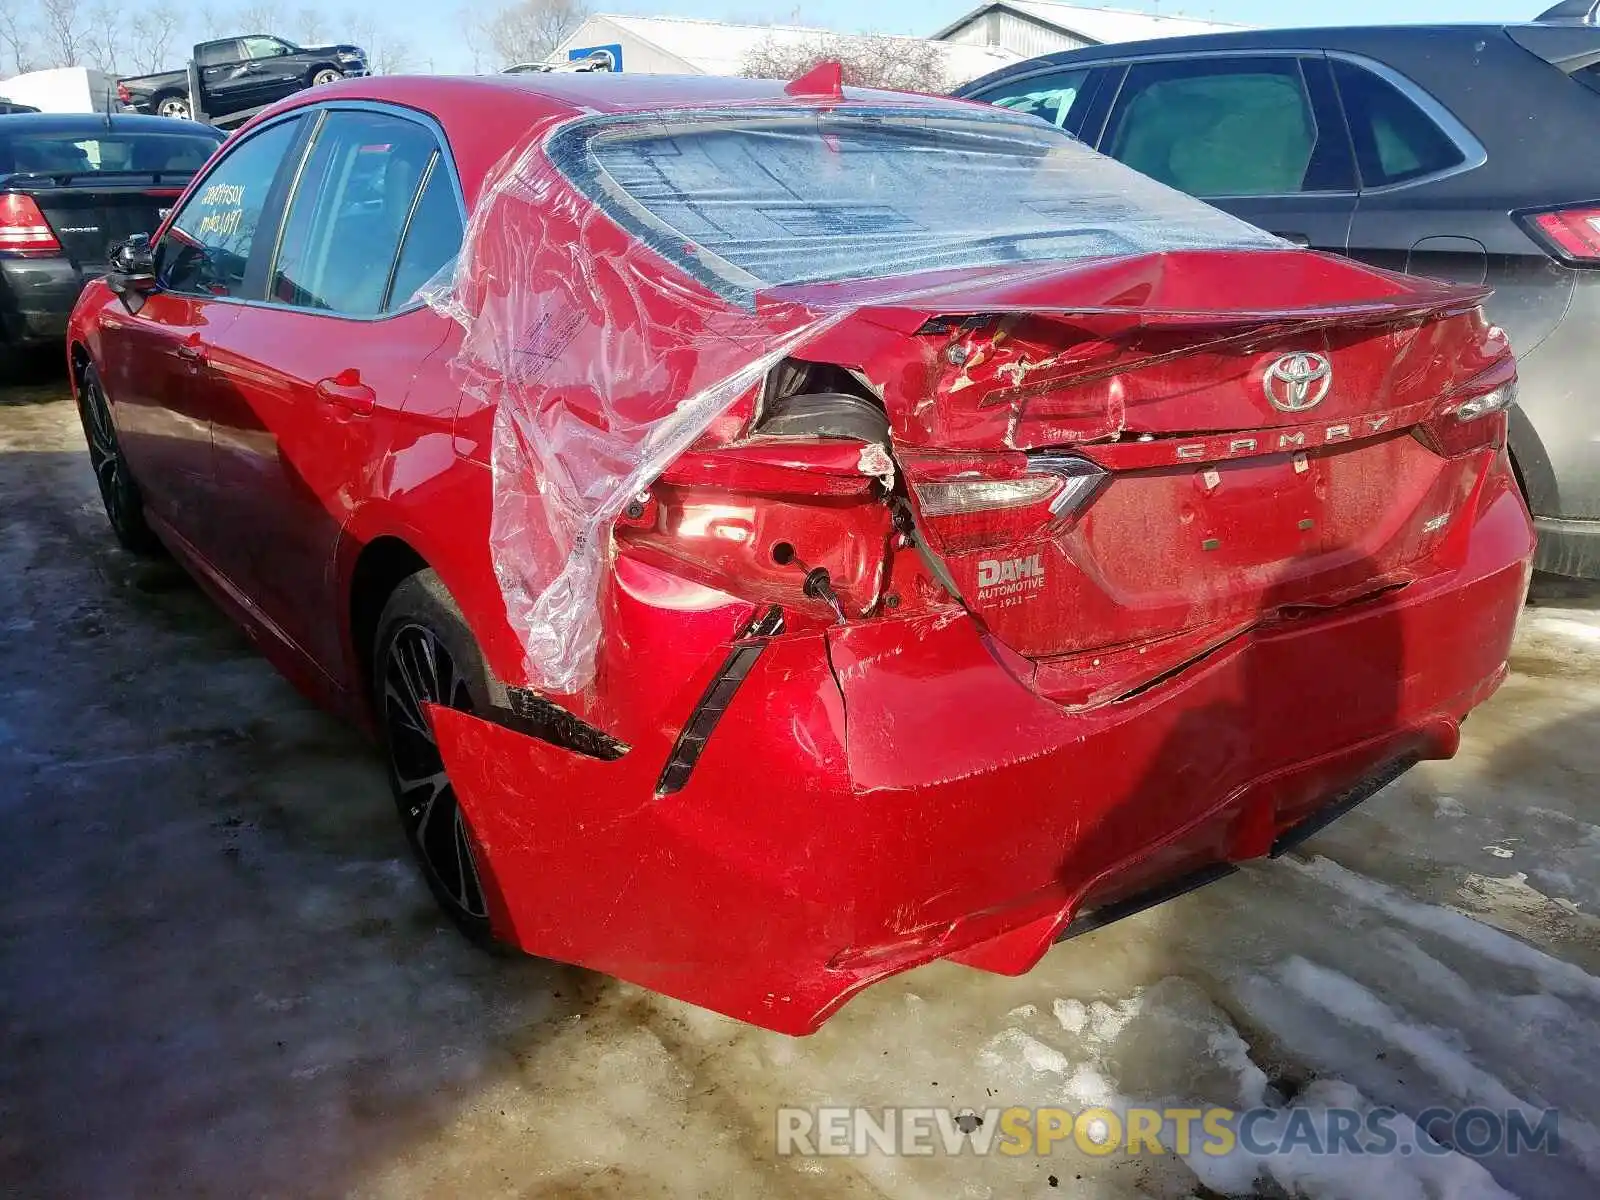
x: 1193, y: 443
x: 92, y: 211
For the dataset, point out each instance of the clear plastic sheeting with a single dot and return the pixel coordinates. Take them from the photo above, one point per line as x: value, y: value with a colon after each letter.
x: 626, y: 279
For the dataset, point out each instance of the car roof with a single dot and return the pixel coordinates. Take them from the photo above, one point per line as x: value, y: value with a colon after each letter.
x: 1348, y: 38
x: 524, y: 103
x: 87, y: 123
x: 579, y: 93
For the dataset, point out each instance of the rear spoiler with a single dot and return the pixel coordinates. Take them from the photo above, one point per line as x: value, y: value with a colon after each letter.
x: 1567, y: 37
x: 1570, y: 12
x: 118, y: 179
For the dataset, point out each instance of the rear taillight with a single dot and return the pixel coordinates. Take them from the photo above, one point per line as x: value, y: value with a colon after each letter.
x: 123, y: 94
x: 970, y: 510
x: 23, y: 227
x: 1470, y: 424
x: 1572, y: 234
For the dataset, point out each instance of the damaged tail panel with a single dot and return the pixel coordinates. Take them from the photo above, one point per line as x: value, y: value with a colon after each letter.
x: 889, y: 702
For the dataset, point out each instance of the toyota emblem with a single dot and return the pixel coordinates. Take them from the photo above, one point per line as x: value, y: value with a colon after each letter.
x: 1298, y: 381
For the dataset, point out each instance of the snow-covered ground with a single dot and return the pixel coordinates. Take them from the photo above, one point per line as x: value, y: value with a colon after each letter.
x: 219, y: 974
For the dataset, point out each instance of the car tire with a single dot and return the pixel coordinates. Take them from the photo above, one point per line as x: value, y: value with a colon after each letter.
x: 173, y: 106
x: 119, y: 494
x: 424, y: 653
x: 326, y: 75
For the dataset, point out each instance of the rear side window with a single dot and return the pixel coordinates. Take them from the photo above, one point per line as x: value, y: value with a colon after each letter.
x: 217, y: 52
x: 56, y: 153
x: 207, y: 248
x: 1235, y: 127
x: 1052, y: 98
x: 433, y: 238
x: 1395, y: 140
x: 354, y: 200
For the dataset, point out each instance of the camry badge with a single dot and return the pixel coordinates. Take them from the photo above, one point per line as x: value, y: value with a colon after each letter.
x: 1297, y: 382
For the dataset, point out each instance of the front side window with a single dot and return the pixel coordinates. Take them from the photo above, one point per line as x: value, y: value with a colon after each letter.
x: 353, y: 203
x: 263, y: 47
x: 1395, y: 140
x: 208, y: 246
x: 745, y: 200
x: 1236, y: 127
x: 1049, y: 97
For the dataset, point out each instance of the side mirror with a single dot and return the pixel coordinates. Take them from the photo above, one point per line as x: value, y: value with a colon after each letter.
x: 133, y: 271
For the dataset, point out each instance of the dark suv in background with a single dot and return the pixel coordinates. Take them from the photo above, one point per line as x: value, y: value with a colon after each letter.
x: 1464, y: 152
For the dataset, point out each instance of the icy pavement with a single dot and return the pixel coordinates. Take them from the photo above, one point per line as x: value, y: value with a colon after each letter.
x: 219, y: 975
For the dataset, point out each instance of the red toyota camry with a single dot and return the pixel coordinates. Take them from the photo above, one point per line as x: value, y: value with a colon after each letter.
x: 782, y: 535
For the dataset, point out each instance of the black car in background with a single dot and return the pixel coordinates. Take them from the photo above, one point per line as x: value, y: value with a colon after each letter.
x: 1463, y: 151
x: 72, y: 185
x: 238, y: 75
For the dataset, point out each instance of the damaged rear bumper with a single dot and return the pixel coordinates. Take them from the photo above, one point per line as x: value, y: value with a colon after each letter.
x: 889, y: 793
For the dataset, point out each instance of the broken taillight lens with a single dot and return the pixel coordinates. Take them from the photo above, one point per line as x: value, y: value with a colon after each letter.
x: 1469, y: 424
x: 970, y: 510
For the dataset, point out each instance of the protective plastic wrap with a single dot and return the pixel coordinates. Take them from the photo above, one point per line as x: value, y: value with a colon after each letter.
x: 626, y: 279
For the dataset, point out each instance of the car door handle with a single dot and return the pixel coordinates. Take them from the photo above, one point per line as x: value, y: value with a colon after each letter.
x: 190, y: 349
x: 345, y: 390
x: 1296, y: 239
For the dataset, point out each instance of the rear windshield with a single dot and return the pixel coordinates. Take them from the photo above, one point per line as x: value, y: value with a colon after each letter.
x: 63, y: 153
x: 760, y: 201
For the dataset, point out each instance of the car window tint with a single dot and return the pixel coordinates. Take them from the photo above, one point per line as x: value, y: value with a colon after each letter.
x: 348, y: 212
x: 217, y: 52
x: 1395, y: 140
x: 79, y: 152
x: 1049, y: 97
x: 207, y: 247
x: 1241, y: 127
x: 263, y: 47
x: 432, y: 239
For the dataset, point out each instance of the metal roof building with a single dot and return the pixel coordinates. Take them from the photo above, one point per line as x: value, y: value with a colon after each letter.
x: 1028, y: 28
x: 690, y: 46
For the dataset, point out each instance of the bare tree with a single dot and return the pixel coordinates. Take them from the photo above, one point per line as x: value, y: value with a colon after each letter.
x: 310, y: 27
x: 65, y: 37
x: 387, y: 54
x: 528, y: 30
x: 16, y: 35
x: 391, y: 55
x: 217, y: 21
x: 901, y: 64
x: 472, y: 29
x: 150, y: 36
x: 104, y: 35
x: 260, y: 16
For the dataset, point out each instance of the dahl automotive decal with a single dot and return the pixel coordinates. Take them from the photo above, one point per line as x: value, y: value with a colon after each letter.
x: 1009, y: 579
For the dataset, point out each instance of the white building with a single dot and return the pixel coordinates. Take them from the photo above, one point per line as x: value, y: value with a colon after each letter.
x: 63, y: 90
x: 1029, y: 28
x: 688, y: 46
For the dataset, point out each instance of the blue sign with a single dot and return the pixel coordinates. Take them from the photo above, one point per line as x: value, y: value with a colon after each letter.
x: 613, y: 51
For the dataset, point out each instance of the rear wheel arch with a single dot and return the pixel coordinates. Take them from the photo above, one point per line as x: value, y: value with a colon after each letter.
x: 78, y: 357
x: 383, y: 565
x: 1531, y: 463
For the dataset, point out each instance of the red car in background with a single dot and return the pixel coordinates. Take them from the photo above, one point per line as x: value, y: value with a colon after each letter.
x: 791, y: 535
